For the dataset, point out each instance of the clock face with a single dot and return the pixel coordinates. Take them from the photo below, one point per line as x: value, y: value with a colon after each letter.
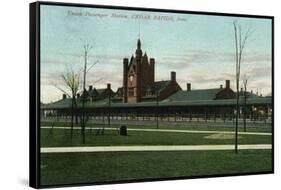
x: 131, y: 78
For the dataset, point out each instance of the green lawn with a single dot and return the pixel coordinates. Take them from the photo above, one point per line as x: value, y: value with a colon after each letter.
x: 188, y: 126
x: 67, y: 168
x: 61, y: 137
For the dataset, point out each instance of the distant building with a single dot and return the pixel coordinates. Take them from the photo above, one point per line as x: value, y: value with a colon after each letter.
x: 99, y: 94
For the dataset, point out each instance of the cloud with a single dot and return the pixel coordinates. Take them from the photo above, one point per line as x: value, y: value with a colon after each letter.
x: 100, y: 77
x: 53, y: 79
x: 262, y: 87
x: 255, y: 57
x: 97, y: 56
x: 259, y: 72
x: 53, y: 61
x: 204, y: 57
x: 208, y: 78
x: 97, y: 77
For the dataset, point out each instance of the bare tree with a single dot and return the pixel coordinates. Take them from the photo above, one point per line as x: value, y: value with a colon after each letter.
x: 245, y: 83
x: 240, y: 41
x: 71, y: 80
x: 86, y: 69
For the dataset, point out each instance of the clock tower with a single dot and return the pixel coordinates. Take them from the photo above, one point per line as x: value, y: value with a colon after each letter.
x: 138, y: 74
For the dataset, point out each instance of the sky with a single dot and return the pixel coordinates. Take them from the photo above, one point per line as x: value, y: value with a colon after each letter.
x: 199, y: 48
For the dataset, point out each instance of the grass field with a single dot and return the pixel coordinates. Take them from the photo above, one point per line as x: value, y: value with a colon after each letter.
x: 78, y: 167
x: 67, y: 168
x: 61, y: 137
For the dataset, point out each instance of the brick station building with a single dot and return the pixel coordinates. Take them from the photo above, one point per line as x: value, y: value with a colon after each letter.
x: 141, y: 94
x: 139, y: 83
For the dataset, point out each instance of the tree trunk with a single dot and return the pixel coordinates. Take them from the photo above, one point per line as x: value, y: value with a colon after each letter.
x: 245, y: 107
x: 72, y: 116
x: 236, y: 124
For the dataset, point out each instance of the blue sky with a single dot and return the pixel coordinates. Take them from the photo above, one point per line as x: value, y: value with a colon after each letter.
x: 200, y: 48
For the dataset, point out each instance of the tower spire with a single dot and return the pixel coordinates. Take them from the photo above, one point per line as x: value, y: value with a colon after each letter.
x: 139, y: 30
x: 139, y: 44
x: 138, y: 50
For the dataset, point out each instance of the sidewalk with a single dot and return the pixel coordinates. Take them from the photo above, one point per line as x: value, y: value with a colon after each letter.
x: 152, y: 148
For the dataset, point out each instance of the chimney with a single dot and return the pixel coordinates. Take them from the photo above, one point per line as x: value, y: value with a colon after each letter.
x: 125, y: 63
x: 227, y: 84
x: 64, y: 96
x: 152, y: 68
x: 188, y: 87
x: 173, y: 76
x: 108, y: 86
x: 152, y: 61
x: 251, y: 91
x: 221, y: 86
x: 90, y: 87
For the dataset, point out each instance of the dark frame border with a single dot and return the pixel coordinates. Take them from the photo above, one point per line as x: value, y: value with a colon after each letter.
x: 34, y: 91
x: 34, y: 95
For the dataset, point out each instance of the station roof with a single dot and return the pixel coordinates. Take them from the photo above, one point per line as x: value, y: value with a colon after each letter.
x: 66, y: 103
x: 159, y: 85
x: 194, y: 95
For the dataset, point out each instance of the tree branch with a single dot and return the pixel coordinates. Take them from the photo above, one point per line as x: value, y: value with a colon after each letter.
x: 92, y: 66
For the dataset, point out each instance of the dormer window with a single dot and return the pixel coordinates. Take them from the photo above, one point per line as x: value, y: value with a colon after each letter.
x: 131, y: 78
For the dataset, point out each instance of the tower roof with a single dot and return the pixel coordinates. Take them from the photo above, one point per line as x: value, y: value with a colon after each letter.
x: 139, y: 44
x: 138, y: 50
